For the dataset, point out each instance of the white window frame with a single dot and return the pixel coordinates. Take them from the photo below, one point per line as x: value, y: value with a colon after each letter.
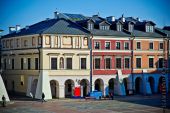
x: 110, y: 45
x: 65, y: 59
x: 129, y: 62
x: 99, y: 44
x: 50, y: 62
x: 149, y: 45
x: 124, y: 45
x: 153, y: 61
x: 120, y: 45
x: 121, y: 62
x: 159, y: 45
x: 95, y: 62
x: 80, y: 62
x: 137, y: 45
x: 110, y: 62
x: 136, y: 62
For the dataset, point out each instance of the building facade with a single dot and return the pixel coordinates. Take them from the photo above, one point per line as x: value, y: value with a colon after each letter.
x: 58, y: 56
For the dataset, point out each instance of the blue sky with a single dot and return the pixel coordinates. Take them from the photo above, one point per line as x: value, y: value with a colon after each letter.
x: 27, y: 12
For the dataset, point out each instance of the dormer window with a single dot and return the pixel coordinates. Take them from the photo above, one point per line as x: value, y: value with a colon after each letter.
x: 104, y: 27
x: 130, y: 27
x: 119, y: 27
x: 90, y: 26
x: 149, y: 28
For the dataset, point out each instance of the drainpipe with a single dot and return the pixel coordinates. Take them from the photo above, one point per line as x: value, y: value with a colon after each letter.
x: 132, y: 54
x: 91, y: 63
x: 39, y: 54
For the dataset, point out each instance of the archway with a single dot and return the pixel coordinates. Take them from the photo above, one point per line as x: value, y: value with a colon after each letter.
x: 99, y: 85
x: 125, y: 84
x: 160, y: 84
x: 54, y: 88
x: 138, y: 85
x: 85, y: 84
x: 111, y: 85
x: 69, y: 85
x: 151, y: 82
x: 34, y: 87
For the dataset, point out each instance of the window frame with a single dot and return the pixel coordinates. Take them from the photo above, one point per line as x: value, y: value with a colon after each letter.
x: 129, y: 62
x: 137, y: 45
x: 116, y: 45
x: 140, y: 63
x: 109, y: 45
x: 55, y: 68
x: 105, y: 65
x: 161, y: 42
x: 116, y: 62
x: 95, y: 62
x: 149, y: 45
x: 81, y: 63
x: 95, y: 45
x: 149, y: 62
x: 67, y: 62
x: 125, y: 46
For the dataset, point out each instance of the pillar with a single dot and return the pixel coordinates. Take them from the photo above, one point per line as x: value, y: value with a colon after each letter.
x: 61, y: 91
x: 43, y: 86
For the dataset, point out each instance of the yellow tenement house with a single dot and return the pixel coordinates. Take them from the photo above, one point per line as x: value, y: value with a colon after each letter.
x: 50, y: 57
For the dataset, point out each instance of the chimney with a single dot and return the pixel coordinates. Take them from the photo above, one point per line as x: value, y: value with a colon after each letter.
x: 18, y: 27
x: 56, y: 13
x: 123, y: 18
x: 110, y: 18
x: 12, y: 29
x: 138, y: 19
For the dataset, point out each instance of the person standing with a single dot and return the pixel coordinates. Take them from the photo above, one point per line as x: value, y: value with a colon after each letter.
x: 3, y: 101
x: 43, y: 96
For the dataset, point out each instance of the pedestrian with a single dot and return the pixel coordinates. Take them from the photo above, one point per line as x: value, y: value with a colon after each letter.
x: 3, y: 101
x: 43, y: 96
x: 112, y: 95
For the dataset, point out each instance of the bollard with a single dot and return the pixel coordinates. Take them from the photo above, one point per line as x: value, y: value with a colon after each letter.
x: 3, y: 101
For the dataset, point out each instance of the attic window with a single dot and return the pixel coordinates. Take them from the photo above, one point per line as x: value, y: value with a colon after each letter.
x: 90, y: 26
x: 104, y: 27
x: 149, y: 28
x: 130, y: 27
x: 119, y: 27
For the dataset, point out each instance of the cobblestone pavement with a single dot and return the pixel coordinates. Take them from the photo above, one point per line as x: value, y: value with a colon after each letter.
x: 128, y: 104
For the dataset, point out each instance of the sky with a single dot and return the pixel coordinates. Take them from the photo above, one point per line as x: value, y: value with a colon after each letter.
x: 28, y: 12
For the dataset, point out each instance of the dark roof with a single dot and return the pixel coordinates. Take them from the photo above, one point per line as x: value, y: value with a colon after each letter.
x: 108, y: 33
x: 51, y: 26
x: 138, y: 33
x: 75, y: 17
x: 164, y: 31
x: 166, y: 28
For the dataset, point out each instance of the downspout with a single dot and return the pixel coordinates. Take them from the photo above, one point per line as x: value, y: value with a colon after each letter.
x: 132, y: 54
x: 39, y: 54
x: 91, y: 63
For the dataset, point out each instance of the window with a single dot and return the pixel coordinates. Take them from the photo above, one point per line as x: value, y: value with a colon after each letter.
x: 39, y: 40
x: 85, y: 41
x: 36, y: 64
x: 151, y: 45
x: 33, y: 41
x: 138, y: 62
x: 97, y: 45
x: 119, y: 27
x: 5, y: 64
x: 83, y: 63
x: 61, y: 63
x: 107, y: 63
x: 149, y: 28
x: 130, y: 27
x: 161, y: 45
x: 138, y: 44
x: 160, y: 63
x: 117, y: 45
x: 104, y: 27
x: 22, y: 63
x: 29, y: 63
x: 54, y: 63
x: 90, y: 26
x: 3, y: 43
x: 127, y: 63
x: 97, y: 63
x: 13, y: 64
x: 107, y: 45
x: 17, y: 42
x: 11, y: 43
x: 118, y: 63
x: 25, y: 43
x: 126, y: 45
x: 47, y: 40
x: 69, y: 63
x: 151, y: 62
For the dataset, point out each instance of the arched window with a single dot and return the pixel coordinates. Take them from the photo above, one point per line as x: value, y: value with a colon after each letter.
x: 61, y: 63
